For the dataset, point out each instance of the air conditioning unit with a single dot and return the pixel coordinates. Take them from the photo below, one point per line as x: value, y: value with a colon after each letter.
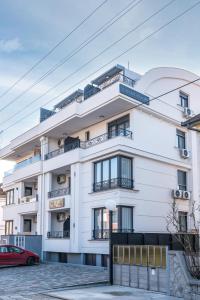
x: 61, y: 179
x: 178, y: 194
x: 186, y: 195
x: 61, y: 217
x: 61, y: 143
x: 184, y: 153
x: 187, y: 112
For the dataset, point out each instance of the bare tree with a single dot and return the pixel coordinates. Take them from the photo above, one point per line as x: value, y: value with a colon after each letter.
x: 189, y: 240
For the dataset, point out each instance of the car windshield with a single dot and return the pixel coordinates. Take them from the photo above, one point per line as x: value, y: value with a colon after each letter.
x: 14, y: 250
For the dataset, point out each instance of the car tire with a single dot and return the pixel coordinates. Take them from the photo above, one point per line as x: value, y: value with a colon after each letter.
x: 30, y: 261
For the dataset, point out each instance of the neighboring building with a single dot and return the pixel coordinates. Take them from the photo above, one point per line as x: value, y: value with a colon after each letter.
x: 2, y: 203
x: 96, y: 146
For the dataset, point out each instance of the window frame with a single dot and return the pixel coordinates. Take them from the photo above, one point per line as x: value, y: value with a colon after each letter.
x: 119, y: 172
x: 183, y: 214
x: 179, y: 136
x: 10, y: 200
x: 116, y: 123
x: 9, y: 229
x: 183, y: 97
x: 182, y: 187
x: 119, y: 220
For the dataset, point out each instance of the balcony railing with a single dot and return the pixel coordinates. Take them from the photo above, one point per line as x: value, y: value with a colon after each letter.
x: 23, y: 164
x: 59, y: 193
x: 113, y: 183
x: 28, y: 199
x: 103, y: 234
x: 58, y: 234
x: 117, y: 78
x: 95, y: 141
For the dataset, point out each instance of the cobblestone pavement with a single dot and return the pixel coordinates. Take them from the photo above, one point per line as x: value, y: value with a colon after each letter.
x: 21, y: 283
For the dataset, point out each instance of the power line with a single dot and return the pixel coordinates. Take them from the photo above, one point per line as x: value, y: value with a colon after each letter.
x: 92, y: 59
x: 53, y: 49
x: 113, y: 20
x: 124, y: 52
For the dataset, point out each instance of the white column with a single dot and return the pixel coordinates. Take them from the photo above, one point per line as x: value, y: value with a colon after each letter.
x: 75, y: 208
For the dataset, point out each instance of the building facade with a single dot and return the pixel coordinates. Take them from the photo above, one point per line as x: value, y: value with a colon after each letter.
x: 107, y: 142
x: 2, y: 203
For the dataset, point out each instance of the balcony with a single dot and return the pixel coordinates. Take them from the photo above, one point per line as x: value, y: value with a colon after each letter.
x: 87, y: 144
x: 28, y: 199
x: 59, y: 193
x: 103, y: 234
x: 124, y: 183
x: 23, y: 164
x: 58, y: 234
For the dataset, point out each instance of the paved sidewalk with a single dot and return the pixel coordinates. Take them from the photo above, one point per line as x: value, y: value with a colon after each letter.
x: 21, y: 283
x: 108, y: 293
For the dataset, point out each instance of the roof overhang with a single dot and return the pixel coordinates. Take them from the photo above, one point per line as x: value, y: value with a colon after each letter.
x: 193, y: 123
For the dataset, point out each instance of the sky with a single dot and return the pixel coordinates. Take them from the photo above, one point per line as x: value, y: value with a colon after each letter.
x: 29, y: 29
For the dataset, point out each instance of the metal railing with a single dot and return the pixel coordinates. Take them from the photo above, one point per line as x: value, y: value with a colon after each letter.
x: 23, y: 164
x: 28, y: 199
x: 58, y: 234
x: 59, y: 192
x: 106, y: 136
x: 125, y: 183
x: 117, y: 78
x: 103, y: 234
x: 86, y: 144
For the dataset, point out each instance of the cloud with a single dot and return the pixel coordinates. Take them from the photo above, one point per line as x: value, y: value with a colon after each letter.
x: 11, y: 45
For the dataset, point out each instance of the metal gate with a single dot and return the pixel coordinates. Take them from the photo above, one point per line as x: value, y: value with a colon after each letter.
x: 141, y: 266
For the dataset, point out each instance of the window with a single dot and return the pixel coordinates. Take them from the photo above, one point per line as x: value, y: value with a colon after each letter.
x: 101, y: 223
x: 10, y: 197
x: 3, y: 249
x: 184, y: 99
x: 125, y: 216
x: 182, y: 217
x: 28, y: 191
x: 122, y: 220
x: 112, y: 173
x: 27, y: 225
x: 182, y: 180
x: 180, y: 139
x: 15, y: 250
x: 87, y: 135
x: 118, y: 127
x: 8, y: 227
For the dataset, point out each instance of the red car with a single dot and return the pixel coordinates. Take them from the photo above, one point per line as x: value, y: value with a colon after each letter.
x: 13, y: 256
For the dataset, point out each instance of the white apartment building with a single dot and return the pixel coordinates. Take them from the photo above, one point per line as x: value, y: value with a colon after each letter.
x: 2, y: 203
x: 99, y: 145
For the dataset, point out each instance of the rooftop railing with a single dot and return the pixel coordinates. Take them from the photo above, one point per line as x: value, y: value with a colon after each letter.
x: 87, y: 144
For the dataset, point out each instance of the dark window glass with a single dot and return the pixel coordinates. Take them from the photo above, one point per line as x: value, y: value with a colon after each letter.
x: 182, y: 216
x: 183, y: 99
x: 122, y: 220
x: 27, y: 225
x: 118, y: 127
x: 87, y: 135
x: 113, y: 172
x: 28, y: 191
x: 180, y: 139
x: 125, y: 218
x: 182, y: 180
x: 14, y: 250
